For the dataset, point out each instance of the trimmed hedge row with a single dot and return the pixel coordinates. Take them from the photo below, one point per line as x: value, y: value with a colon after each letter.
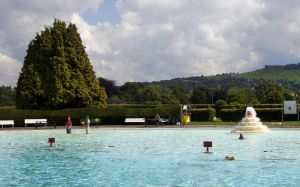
x: 231, y: 114
x: 116, y: 114
x: 265, y: 114
x: 196, y: 106
x: 110, y: 115
x: 205, y: 114
x: 254, y: 106
x: 107, y: 115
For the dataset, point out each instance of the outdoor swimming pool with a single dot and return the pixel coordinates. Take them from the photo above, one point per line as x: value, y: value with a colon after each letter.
x: 149, y: 157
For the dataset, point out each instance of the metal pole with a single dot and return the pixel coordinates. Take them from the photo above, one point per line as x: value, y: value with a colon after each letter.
x: 298, y: 109
x: 282, y: 115
x: 180, y: 115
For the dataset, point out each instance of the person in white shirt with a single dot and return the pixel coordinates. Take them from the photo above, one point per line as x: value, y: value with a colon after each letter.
x: 87, y: 124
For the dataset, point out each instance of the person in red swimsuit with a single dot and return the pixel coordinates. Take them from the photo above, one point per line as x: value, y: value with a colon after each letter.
x: 69, y: 125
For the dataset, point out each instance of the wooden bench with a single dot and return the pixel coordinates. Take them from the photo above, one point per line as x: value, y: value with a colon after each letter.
x: 35, y: 122
x: 134, y: 120
x: 7, y: 122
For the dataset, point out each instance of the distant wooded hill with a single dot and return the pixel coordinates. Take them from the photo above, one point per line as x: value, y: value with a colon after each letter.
x: 286, y: 75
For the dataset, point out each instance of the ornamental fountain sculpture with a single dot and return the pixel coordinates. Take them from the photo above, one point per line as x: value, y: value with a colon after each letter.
x: 250, y: 123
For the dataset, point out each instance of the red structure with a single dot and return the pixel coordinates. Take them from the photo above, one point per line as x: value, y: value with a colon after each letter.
x: 207, y: 144
x: 51, y: 141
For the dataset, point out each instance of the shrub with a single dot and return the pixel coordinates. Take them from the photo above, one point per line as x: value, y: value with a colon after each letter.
x: 108, y: 115
x: 205, y: 114
x: 267, y: 106
x: 231, y: 114
x: 265, y: 114
x: 196, y: 106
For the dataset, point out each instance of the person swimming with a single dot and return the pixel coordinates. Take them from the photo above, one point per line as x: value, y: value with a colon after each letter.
x: 230, y: 158
x: 241, y: 136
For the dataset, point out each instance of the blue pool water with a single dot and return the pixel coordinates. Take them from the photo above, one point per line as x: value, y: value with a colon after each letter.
x: 149, y: 157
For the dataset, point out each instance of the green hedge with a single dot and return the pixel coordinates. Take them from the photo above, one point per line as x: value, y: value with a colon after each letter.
x: 196, y: 106
x: 140, y: 106
x: 265, y: 114
x: 116, y: 115
x: 231, y: 114
x: 240, y: 106
x: 130, y: 106
x: 274, y: 114
x: 254, y: 106
x: 268, y: 105
x: 205, y: 114
x: 107, y: 115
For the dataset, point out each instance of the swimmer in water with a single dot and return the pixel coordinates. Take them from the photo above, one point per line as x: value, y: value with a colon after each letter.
x: 241, y: 136
x: 230, y: 158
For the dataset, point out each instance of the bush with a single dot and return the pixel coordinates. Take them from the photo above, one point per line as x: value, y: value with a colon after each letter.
x: 205, y: 114
x: 220, y: 102
x: 196, y: 106
x: 233, y: 106
x: 269, y: 114
x: 108, y: 115
x: 231, y: 114
x: 265, y: 114
x: 275, y: 114
x: 267, y: 106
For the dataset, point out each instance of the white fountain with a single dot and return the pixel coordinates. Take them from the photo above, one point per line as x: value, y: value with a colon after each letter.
x: 250, y: 123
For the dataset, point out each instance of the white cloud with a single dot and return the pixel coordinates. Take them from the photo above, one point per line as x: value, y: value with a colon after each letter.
x: 162, y: 39
x: 9, y: 69
x: 21, y: 20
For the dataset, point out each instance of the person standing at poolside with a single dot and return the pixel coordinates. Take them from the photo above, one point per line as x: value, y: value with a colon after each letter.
x: 87, y: 124
x: 69, y: 125
x: 157, y: 119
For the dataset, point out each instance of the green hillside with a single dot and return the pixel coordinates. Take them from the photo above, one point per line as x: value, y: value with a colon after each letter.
x: 273, y: 74
x: 288, y: 76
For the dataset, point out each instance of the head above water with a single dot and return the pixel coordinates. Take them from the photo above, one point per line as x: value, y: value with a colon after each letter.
x: 241, y: 136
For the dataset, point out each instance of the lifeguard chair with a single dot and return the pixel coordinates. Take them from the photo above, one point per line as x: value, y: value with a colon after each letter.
x: 186, y: 115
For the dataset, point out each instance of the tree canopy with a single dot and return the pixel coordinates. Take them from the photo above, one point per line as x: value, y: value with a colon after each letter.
x: 270, y: 92
x: 57, y: 72
x: 7, y: 96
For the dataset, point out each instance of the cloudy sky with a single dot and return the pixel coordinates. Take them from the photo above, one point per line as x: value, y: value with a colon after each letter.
x: 146, y: 40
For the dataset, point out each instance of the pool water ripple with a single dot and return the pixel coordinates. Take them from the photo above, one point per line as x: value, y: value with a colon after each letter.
x: 149, y: 157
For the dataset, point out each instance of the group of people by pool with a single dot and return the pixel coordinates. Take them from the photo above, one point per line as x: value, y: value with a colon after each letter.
x: 86, y: 123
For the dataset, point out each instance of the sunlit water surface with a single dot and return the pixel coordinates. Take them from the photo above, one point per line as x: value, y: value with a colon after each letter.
x: 149, y: 157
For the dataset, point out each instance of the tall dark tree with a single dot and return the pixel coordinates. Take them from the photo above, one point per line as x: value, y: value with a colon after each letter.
x: 7, y: 96
x: 109, y: 86
x: 57, y: 72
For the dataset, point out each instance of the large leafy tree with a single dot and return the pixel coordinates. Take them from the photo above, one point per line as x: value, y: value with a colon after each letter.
x: 201, y: 95
x: 241, y: 95
x: 109, y: 86
x: 57, y: 72
x: 269, y: 92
